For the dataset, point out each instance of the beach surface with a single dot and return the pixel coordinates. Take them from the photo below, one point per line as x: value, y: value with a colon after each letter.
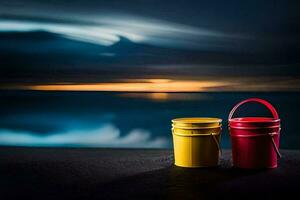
x: 95, y: 173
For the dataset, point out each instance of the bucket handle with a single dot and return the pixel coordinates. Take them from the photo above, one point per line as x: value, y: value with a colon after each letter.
x: 217, y: 143
x: 264, y: 102
x: 274, y: 144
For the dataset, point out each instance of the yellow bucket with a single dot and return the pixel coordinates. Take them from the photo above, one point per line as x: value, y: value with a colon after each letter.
x: 196, y: 141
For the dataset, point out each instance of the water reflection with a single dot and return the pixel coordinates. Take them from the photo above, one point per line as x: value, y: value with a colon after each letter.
x: 164, y: 96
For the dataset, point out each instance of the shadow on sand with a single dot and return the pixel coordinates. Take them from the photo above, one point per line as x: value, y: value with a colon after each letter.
x: 175, y: 183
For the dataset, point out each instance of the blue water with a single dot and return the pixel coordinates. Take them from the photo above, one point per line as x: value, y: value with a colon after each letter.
x: 110, y: 119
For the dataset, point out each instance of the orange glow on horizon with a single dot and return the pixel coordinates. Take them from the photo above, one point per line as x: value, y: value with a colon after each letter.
x: 154, y: 85
x: 159, y: 80
x: 165, y: 96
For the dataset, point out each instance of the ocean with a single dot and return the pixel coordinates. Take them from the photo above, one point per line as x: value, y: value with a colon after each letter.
x: 127, y: 120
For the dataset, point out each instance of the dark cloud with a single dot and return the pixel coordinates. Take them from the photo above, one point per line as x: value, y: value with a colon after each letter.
x: 92, y: 41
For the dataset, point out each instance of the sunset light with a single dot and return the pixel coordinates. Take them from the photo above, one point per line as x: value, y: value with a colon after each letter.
x: 153, y: 85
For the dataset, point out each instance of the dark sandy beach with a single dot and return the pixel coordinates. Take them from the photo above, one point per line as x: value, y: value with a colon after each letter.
x: 58, y: 173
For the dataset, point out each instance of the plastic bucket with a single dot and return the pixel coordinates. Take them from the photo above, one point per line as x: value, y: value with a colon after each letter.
x: 255, y: 140
x: 196, y: 141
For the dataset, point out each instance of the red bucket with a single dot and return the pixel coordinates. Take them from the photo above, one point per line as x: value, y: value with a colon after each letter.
x: 255, y: 140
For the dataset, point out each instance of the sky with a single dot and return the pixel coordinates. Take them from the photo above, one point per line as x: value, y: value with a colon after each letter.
x: 150, y: 45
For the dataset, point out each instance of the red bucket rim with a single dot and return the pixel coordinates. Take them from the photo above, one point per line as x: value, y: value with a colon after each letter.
x: 254, y: 120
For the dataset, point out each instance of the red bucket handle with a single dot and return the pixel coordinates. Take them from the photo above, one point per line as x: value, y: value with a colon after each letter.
x: 264, y: 102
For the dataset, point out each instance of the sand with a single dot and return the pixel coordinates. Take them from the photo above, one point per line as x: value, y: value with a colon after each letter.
x: 82, y: 173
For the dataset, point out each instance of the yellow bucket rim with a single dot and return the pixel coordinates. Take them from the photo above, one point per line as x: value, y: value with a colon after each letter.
x: 201, y: 122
